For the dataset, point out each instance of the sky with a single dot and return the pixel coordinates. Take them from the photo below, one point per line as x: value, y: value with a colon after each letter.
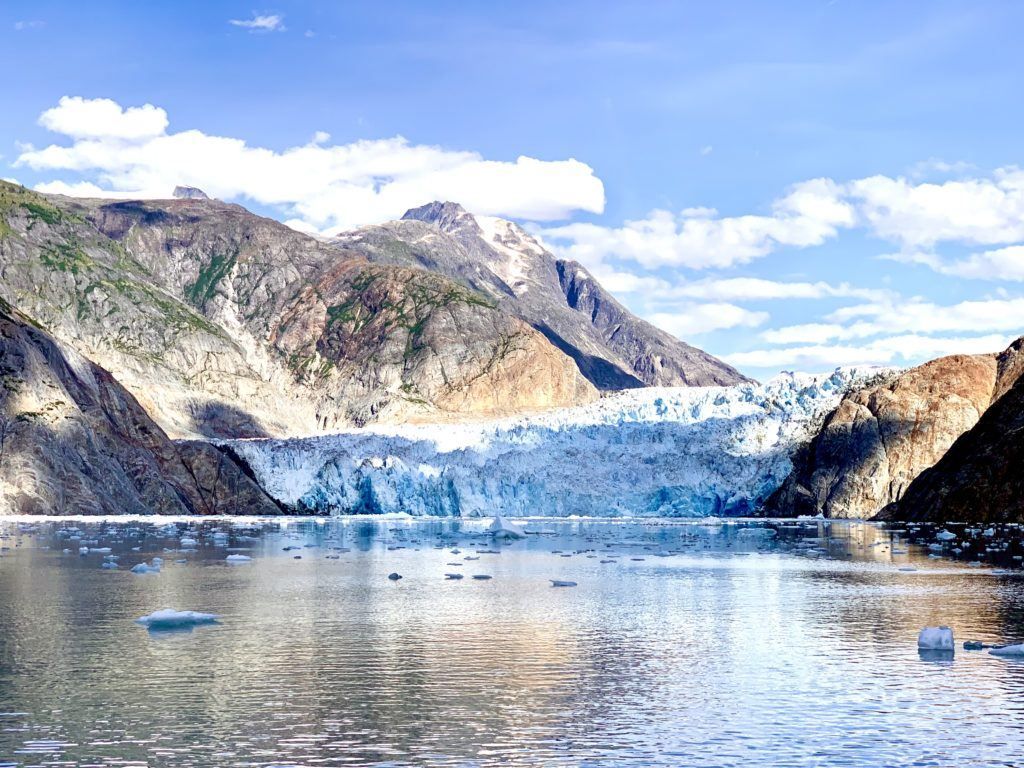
x: 788, y: 185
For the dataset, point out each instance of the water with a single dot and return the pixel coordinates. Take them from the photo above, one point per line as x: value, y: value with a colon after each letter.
x: 732, y: 649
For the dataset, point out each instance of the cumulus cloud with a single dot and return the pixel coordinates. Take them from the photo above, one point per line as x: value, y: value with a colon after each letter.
x: 917, y: 216
x: 103, y: 119
x: 267, y: 23
x: 981, y: 211
x: 699, y: 238
x: 119, y: 152
x: 694, y: 319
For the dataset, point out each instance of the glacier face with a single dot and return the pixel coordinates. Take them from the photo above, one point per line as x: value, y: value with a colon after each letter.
x: 666, y: 452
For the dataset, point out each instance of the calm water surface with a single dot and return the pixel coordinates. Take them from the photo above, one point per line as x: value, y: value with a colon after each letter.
x: 791, y: 644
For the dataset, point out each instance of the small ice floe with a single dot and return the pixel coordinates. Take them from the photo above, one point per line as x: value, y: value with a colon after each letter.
x: 187, y: 542
x: 394, y: 576
x: 168, y: 618
x: 238, y: 559
x: 560, y: 583
x: 1008, y: 650
x: 503, y: 529
x: 989, y: 533
x: 935, y: 639
x: 83, y: 550
x: 146, y: 568
x: 109, y: 565
x: 945, y: 535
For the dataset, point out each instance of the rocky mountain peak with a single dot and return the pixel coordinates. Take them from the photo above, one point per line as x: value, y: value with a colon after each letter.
x: 189, y: 193
x: 446, y: 216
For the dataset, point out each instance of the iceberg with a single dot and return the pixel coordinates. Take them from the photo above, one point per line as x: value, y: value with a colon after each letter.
x: 935, y: 639
x: 945, y: 535
x: 168, y: 618
x: 238, y: 558
x: 654, y: 452
x: 503, y: 529
x: 1009, y: 650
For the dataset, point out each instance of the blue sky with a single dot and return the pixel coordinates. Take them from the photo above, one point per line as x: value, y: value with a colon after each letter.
x: 810, y: 183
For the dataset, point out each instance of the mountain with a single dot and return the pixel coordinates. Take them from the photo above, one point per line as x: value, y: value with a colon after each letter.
x: 228, y: 324
x: 980, y: 479
x: 881, y: 437
x: 676, y: 452
x: 74, y: 441
x: 613, y: 348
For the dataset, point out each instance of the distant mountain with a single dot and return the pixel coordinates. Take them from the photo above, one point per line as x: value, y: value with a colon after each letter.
x: 227, y: 324
x: 612, y: 347
x: 872, y: 448
x: 74, y: 441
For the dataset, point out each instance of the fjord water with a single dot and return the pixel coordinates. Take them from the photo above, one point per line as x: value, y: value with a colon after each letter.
x: 702, y: 644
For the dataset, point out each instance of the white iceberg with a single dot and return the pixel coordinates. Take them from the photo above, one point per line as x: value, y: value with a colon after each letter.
x: 503, y: 529
x: 168, y: 618
x: 945, y: 535
x: 935, y: 639
x: 238, y: 558
x: 1009, y: 650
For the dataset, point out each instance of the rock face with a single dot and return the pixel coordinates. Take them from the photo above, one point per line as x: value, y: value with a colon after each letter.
x: 611, y: 347
x: 227, y: 324
x: 881, y: 437
x: 74, y: 441
x: 980, y: 479
x: 189, y: 193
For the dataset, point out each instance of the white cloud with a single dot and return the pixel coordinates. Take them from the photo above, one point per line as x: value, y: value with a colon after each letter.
x: 701, y: 318
x: 268, y: 23
x: 706, y: 150
x: 760, y: 289
x: 128, y: 153
x: 21, y: 26
x: 103, y: 119
x: 698, y: 238
x: 892, y: 350
x: 981, y: 211
x: 916, y: 216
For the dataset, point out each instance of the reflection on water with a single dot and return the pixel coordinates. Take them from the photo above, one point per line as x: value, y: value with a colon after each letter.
x: 684, y: 644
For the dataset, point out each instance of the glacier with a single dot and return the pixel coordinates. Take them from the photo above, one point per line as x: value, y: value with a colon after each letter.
x: 657, y: 452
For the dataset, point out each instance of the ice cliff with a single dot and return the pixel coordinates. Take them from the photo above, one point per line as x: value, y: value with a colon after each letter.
x: 674, y: 452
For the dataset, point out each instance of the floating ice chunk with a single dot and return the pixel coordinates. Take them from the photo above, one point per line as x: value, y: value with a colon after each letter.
x: 503, y: 529
x: 168, y: 618
x: 238, y: 558
x: 187, y: 542
x: 83, y: 550
x: 146, y: 568
x: 989, y: 533
x: 560, y: 583
x: 935, y: 639
x: 1009, y: 650
x: 945, y: 535
x: 109, y: 565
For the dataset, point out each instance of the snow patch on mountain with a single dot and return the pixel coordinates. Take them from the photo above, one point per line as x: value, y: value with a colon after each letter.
x: 667, y: 452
